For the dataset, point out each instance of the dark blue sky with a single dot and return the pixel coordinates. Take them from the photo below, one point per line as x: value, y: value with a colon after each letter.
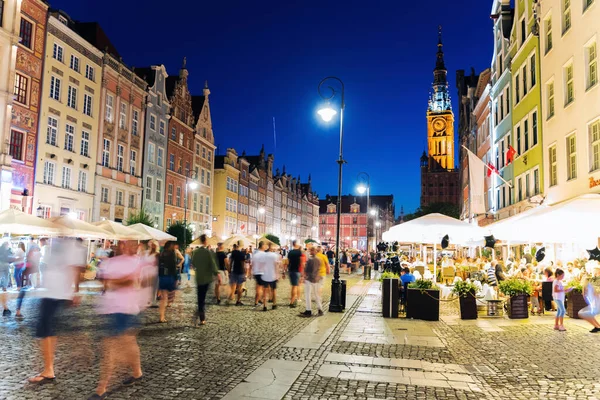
x: 264, y: 59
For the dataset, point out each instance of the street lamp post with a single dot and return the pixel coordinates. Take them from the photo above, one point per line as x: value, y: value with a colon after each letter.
x: 327, y: 113
x: 192, y: 185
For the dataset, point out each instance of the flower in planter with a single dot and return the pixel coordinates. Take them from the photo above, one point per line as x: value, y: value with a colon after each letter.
x: 464, y: 289
x: 514, y: 287
x: 423, y: 284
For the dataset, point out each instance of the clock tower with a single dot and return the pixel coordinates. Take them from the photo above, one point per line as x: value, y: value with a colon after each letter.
x: 440, y: 119
x: 439, y: 178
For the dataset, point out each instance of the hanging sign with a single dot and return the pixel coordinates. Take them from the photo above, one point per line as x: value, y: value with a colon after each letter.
x: 594, y: 182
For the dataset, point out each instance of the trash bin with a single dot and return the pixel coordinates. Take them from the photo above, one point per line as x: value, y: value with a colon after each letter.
x: 367, y: 272
x: 343, y: 299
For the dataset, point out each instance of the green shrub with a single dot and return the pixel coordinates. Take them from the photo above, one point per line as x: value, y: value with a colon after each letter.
x: 388, y: 275
x: 513, y: 287
x: 422, y: 284
x: 576, y: 285
x: 464, y: 288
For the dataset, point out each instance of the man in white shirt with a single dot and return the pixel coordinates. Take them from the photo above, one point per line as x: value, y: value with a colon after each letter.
x: 270, y: 264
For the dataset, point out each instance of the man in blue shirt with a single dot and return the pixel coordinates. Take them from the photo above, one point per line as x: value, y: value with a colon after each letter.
x: 406, y: 277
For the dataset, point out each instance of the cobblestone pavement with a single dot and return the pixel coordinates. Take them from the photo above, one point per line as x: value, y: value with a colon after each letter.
x: 356, y: 355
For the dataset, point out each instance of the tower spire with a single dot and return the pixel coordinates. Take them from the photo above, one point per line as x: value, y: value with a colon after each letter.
x: 439, y: 101
x: 439, y: 64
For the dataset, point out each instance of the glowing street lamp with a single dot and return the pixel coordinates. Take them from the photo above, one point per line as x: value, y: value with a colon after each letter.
x: 261, y: 210
x: 193, y: 185
x: 327, y: 113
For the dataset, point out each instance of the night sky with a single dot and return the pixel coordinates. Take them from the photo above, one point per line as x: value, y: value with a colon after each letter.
x: 264, y: 59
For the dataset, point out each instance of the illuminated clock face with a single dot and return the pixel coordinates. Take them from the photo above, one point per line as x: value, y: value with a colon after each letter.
x: 439, y: 125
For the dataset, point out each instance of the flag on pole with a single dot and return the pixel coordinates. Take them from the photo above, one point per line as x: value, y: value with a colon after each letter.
x: 491, y: 169
x: 510, y: 154
x: 477, y: 170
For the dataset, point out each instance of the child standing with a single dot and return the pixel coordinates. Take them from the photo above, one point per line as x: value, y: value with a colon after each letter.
x: 558, y: 293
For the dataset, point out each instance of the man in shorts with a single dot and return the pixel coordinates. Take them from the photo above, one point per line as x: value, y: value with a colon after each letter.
x: 294, y: 256
x: 270, y: 276
x: 237, y: 277
x: 257, y: 272
x: 223, y: 265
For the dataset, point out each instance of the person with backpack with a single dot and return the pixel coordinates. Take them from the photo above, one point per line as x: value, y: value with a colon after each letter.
x: 167, y: 277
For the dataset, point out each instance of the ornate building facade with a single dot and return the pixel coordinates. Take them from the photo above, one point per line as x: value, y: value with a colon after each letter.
x: 20, y: 132
x: 439, y: 178
x: 70, y: 112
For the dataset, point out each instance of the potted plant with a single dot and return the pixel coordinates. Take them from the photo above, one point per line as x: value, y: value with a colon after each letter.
x: 390, y: 296
x: 466, y: 297
x: 423, y: 301
x: 575, y: 299
x: 518, y: 291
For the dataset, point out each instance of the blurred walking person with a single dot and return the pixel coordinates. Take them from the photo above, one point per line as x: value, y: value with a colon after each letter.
x: 271, y: 262
x: 167, y: 277
x: 237, y: 275
x: 6, y: 257
x: 62, y: 275
x: 294, y: 257
x: 120, y: 307
x: 204, y: 262
x: 312, y: 278
x: 223, y: 265
x: 257, y: 272
x: 325, y: 268
x: 153, y: 256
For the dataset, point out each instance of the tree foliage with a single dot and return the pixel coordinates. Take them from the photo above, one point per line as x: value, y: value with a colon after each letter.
x: 141, y: 217
x: 307, y: 241
x: 273, y: 238
x: 178, y: 229
x: 449, y: 209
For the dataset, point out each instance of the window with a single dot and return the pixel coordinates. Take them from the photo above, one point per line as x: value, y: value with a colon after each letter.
x: 532, y: 70
x: 592, y: 65
x: 566, y: 15
x: 52, y: 131
x: 109, y: 108
x: 197, y: 149
x: 106, y: 153
x: 548, y: 34
x: 69, y: 137
x: 569, y: 88
x: 195, y: 203
x: 153, y: 122
x: 49, y: 168
x: 173, y: 133
x: 168, y: 222
x: 181, y: 138
x: 552, y: 161
x: 209, y: 155
x: 120, y: 157
x: 550, y: 91
x: 123, y: 116
x: 151, y: 154
x: 72, y: 97
x: 26, y: 33
x: 202, y: 179
x: 594, y: 132
x: 119, y: 198
x: 517, y: 89
x: 20, y: 90
x: 586, y: 4
x: 85, y: 143
x: 134, y: 122
x: 159, y: 198
x: 536, y: 182
x: 534, y: 128
x: 57, y: 52
x: 178, y: 196
x: 571, y: 157
x: 148, y: 188
x: 161, y: 128
x: 527, y: 187
x: 89, y: 73
x: 523, y: 31
x: 66, y: 177
x: 520, y: 188
x: 55, y: 88
x: 524, y: 73
x: 87, y: 104
x: 203, y: 152
x: 82, y: 181
x: 74, y: 63
x: 180, y: 167
x: 170, y: 194
x: 16, y: 145
x: 207, y: 205
x: 132, y: 161
x: 159, y: 157
x: 132, y: 201
x: 1, y: 11
x: 526, y: 134
x: 519, y: 150
x: 104, y: 195
x: 172, y: 162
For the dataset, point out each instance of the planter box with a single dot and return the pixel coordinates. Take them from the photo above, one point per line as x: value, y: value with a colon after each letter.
x: 425, y: 306
x: 517, y: 307
x: 390, y: 298
x: 575, y: 302
x: 468, y: 306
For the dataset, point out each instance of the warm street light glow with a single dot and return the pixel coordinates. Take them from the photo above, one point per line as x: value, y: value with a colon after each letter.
x: 294, y: 221
x: 287, y: 237
x: 293, y: 238
x: 328, y: 233
x: 361, y: 189
x: 314, y: 228
x: 261, y: 210
x: 72, y: 215
x: 327, y: 113
x: 193, y: 185
x: 373, y: 212
x: 256, y: 236
x: 377, y: 224
x: 224, y: 237
x: 347, y: 237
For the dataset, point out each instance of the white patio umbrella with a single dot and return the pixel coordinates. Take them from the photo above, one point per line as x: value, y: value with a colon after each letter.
x: 78, y: 228
x: 154, y: 233
x: 430, y: 229
x: 238, y: 239
x: 15, y: 222
x: 121, y: 232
